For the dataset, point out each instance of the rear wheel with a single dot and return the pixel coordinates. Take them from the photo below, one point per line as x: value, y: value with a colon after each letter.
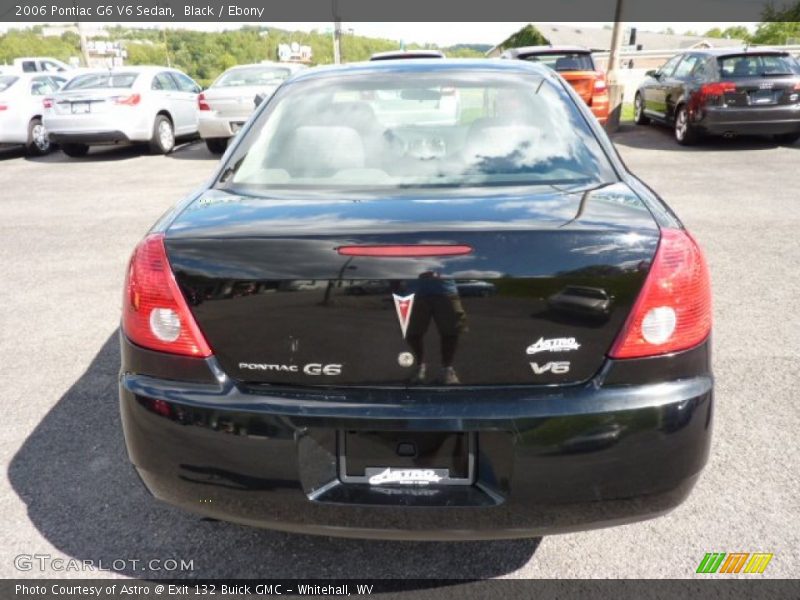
x: 638, y: 110
x: 38, y: 141
x: 75, y: 150
x: 787, y: 138
x: 217, y: 145
x: 163, y: 140
x: 685, y: 134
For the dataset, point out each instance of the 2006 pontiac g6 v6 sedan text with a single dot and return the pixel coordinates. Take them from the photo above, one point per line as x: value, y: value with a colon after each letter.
x: 297, y: 352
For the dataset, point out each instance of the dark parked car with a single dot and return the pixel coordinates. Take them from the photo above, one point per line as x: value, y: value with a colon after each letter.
x: 410, y: 414
x: 724, y: 92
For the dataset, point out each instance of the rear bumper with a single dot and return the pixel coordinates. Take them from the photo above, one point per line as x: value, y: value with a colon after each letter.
x: 548, y: 461
x: 773, y: 120
x: 90, y: 138
x: 105, y: 128
x: 213, y: 126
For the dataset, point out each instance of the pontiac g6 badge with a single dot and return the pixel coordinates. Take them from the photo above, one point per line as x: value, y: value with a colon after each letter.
x: 403, y: 306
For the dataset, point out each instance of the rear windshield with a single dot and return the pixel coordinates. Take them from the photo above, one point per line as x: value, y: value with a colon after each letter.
x: 6, y: 81
x: 758, y: 65
x: 411, y: 129
x: 92, y: 81
x: 252, y: 76
x: 565, y: 61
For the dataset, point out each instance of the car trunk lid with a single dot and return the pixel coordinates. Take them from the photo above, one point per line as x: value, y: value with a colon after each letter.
x: 291, y: 291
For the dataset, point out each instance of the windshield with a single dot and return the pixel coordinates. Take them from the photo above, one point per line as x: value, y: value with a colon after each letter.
x: 252, y: 76
x: 758, y: 65
x: 6, y: 81
x: 418, y: 129
x: 101, y: 80
x: 564, y: 61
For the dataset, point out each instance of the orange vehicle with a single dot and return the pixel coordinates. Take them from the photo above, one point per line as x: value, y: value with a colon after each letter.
x: 576, y: 65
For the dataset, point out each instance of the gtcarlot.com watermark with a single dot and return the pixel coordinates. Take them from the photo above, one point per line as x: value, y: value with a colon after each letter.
x: 49, y: 563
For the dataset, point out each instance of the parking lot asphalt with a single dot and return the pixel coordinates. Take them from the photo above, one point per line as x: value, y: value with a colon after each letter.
x: 67, y: 227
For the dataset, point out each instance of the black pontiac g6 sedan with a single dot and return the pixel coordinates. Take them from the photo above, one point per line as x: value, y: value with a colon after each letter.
x: 256, y: 388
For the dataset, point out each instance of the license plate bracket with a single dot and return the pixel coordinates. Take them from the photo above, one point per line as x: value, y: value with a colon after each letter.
x: 760, y: 97
x: 81, y: 108
x: 401, y: 458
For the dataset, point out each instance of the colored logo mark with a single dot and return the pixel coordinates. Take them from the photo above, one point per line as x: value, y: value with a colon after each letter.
x: 734, y: 562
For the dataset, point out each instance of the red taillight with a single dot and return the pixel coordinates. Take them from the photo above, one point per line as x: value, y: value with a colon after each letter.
x: 716, y: 89
x: 673, y: 311
x: 154, y: 312
x: 600, y: 83
x: 796, y: 86
x: 3, y: 106
x: 131, y: 100
x: 47, y: 103
x: 405, y: 251
x: 201, y: 102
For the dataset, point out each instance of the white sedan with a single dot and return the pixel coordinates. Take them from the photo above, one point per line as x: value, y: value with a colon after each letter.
x: 23, y: 97
x: 229, y: 101
x: 123, y: 105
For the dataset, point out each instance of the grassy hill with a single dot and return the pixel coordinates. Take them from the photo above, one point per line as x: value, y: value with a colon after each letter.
x: 204, y: 55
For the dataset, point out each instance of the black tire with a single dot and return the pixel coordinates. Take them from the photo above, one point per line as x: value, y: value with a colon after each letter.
x: 685, y: 133
x: 163, y: 139
x: 75, y: 150
x: 38, y: 143
x: 217, y: 145
x: 786, y: 138
x: 638, y: 110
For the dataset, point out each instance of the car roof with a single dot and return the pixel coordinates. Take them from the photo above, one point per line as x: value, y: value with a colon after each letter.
x: 734, y: 51
x: 533, y: 50
x: 426, y: 65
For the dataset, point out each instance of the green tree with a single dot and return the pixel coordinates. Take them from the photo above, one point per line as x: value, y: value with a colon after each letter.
x: 527, y: 36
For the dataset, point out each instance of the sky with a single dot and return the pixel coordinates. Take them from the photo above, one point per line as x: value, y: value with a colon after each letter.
x: 475, y: 33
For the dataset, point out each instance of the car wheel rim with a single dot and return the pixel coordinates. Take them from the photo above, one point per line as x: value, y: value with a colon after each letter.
x: 165, y: 135
x: 40, y: 138
x: 637, y: 108
x: 680, y: 125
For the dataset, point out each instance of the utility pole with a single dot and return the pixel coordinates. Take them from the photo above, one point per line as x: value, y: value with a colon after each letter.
x: 337, y: 34
x: 615, y: 87
x: 84, y: 50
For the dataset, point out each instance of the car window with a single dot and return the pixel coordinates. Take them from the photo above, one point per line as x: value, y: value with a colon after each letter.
x: 702, y: 70
x: 412, y: 129
x: 668, y: 67
x: 6, y: 81
x: 51, y: 67
x: 58, y: 81
x: 162, y: 81
x: 255, y: 76
x: 686, y: 66
x: 757, y: 65
x: 92, y: 81
x: 185, y: 83
x: 41, y: 86
x: 564, y: 61
x: 28, y: 66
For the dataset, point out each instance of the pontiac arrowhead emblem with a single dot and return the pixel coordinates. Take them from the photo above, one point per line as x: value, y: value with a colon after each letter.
x: 403, y: 305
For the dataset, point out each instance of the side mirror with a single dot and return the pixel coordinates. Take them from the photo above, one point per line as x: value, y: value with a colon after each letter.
x: 652, y: 73
x: 260, y: 97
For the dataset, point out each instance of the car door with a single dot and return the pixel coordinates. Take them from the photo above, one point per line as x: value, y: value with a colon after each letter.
x: 655, y: 100
x: 166, y: 91
x: 679, y: 83
x: 186, y: 96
